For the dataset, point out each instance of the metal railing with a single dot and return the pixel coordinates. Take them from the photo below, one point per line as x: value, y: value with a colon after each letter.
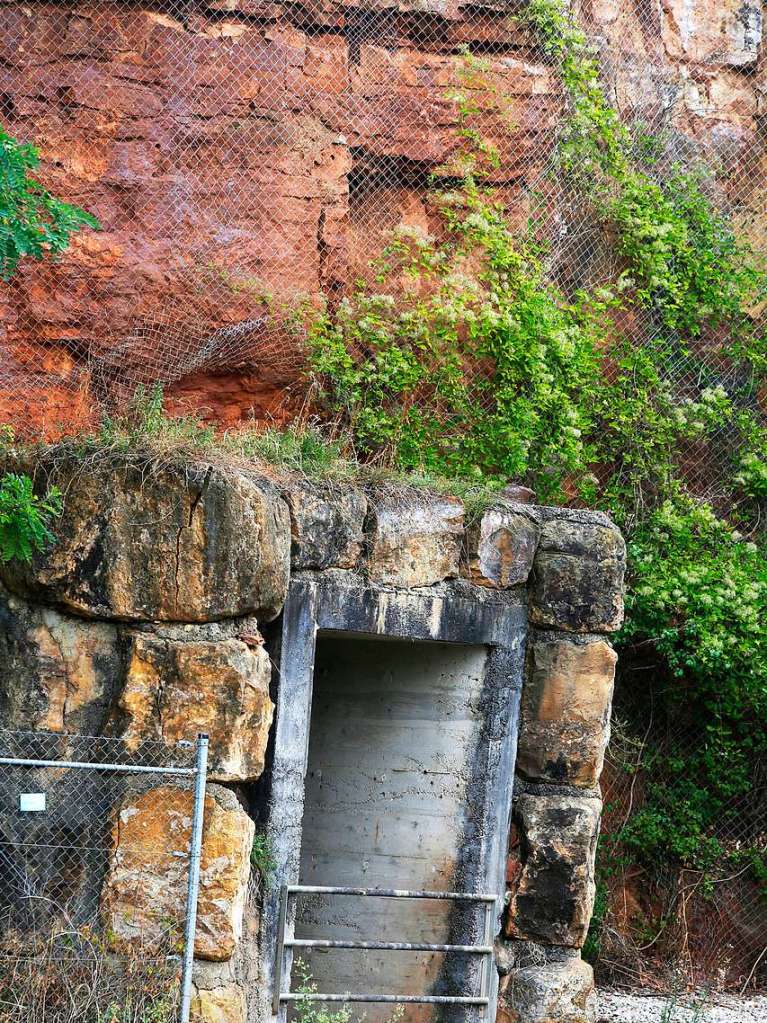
x: 38, y: 801
x: 482, y: 1001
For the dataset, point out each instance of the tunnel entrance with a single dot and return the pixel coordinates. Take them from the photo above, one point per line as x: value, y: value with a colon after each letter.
x: 393, y: 754
x: 394, y: 747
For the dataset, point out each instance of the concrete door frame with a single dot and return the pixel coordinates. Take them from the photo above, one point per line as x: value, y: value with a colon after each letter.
x: 450, y: 613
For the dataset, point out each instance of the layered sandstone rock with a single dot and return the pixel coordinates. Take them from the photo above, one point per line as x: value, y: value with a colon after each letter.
x: 57, y: 673
x: 414, y: 540
x: 151, y: 542
x: 500, y: 548
x: 552, y: 867
x: 221, y: 1005
x: 566, y: 701
x: 173, y: 690
x: 578, y: 576
x: 144, y: 896
x: 550, y: 992
x: 327, y: 527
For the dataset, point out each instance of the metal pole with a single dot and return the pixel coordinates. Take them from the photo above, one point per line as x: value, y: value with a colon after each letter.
x: 280, y: 960
x: 195, y: 851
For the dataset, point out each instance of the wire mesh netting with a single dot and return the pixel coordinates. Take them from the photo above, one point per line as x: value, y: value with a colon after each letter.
x: 245, y: 157
x: 92, y: 903
x: 704, y: 928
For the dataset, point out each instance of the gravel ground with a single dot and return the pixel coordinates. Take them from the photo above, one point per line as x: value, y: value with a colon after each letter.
x: 615, y: 1007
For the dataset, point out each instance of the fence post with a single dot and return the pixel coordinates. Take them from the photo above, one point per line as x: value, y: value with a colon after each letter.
x: 195, y: 849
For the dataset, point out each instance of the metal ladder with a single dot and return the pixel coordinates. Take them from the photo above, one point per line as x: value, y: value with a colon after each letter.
x: 485, y: 950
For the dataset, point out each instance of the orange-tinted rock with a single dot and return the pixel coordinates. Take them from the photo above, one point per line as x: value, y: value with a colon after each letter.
x: 173, y: 690
x: 218, y: 153
x: 564, y: 725
x: 144, y: 896
x: 149, y: 542
x: 57, y: 673
x: 221, y: 1005
x: 414, y: 540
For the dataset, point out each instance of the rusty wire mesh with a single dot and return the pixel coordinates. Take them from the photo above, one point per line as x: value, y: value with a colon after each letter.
x: 80, y: 936
x: 245, y: 156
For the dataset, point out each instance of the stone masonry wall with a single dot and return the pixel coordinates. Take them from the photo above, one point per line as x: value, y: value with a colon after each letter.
x: 146, y: 620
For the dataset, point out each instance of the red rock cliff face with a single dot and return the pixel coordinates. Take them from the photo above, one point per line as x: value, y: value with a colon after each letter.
x: 240, y: 154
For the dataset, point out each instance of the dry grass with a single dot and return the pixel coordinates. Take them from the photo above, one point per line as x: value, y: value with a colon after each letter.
x: 73, y: 977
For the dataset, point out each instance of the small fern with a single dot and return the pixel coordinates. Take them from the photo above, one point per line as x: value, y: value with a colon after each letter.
x: 25, y: 518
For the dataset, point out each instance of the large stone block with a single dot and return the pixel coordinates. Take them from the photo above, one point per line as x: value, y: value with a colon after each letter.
x: 551, y: 891
x: 577, y: 580
x: 164, y: 543
x: 173, y: 690
x: 144, y: 896
x: 566, y: 709
x: 221, y: 1005
x: 500, y: 548
x: 327, y: 527
x: 57, y: 673
x: 561, y: 992
x: 725, y: 32
x: 415, y: 539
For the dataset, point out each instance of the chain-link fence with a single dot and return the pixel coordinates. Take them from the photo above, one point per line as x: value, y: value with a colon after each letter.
x: 86, y: 847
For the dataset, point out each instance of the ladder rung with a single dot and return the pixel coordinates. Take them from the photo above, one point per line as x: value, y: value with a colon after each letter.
x: 430, y: 999
x: 391, y: 893
x: 395, y: 946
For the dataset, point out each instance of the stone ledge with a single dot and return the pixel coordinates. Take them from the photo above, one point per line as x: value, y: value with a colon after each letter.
x: 565, y: 710
x: 144, y: 893
x: 553, y: 992
x: 173, y: 690
x: 577, y: 578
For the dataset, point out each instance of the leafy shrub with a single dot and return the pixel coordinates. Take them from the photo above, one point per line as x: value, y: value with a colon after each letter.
x: 466, y: 362
x: 33, y: 222
x: 25, y: 517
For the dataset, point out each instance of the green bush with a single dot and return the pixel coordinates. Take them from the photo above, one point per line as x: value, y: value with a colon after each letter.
x: 25, y: 518
x: 466, y: 360
x: 33, y: 222
x: 465, y: 374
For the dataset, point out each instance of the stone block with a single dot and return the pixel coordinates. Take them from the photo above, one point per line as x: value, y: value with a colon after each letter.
x: 415, y: 540
x: 577, y: 579
x: 57, y: 673
x: 162, y: 543
x: 560, y: 992
x: 173, y: 690
x: 327, y: 527
x: 565, y: 712
x: 551, y: 891
x: 728, y: 32
x: 500, y: 548
x: 221, y: 1005
x: 144, y: 895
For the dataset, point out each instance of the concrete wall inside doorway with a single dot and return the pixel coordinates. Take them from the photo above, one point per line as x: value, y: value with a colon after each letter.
x: 392, y: 757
